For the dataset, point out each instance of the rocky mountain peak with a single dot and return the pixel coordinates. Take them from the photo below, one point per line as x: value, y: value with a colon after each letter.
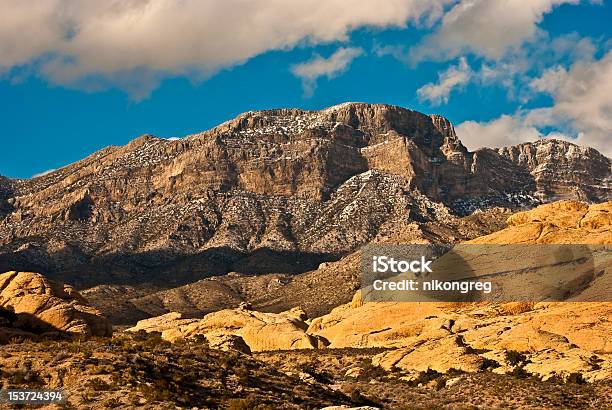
x: 270, y: 187
x: 354, y: 124
x: 563, y: 170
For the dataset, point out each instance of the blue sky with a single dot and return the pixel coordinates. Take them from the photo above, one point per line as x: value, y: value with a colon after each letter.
x: 92, y: 75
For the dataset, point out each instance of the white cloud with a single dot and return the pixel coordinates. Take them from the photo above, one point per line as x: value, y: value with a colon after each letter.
x: 500, y: 132
x: 125, y: 42
x: 515, y: 70
x: 330, y: 67
x: 454, y: 77
x: 488, y: 28
x: 582, y: 98
x: 581, y: 110
x: 550, y: 80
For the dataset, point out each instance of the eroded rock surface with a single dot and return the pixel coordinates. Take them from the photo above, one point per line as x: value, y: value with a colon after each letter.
x: 550, y: 340
x: 34, y: 305
x: 578, y: 172
x: 563, y: 222
x: 231, y: 328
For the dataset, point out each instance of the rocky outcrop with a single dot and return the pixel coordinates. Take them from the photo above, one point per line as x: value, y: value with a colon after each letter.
x: 37, y: 306
x: 317, y: 291
x: 560, y: 222
x: 562, y: 170
x: 561, y: 340
x: 5, y: 195
x: 274, y: 191
x: 567, y: 341
x: 235, y: 328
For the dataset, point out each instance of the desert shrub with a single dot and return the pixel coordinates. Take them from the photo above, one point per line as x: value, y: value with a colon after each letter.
x: 425, y: 377
x: 488, y: 364
x: 60, y: 357
x: 24, y: 376
x: 153, y: 393
x: 17, y: 340
x: 243, y: 373
x: 87, y: 398
x: 519, y: 372
x: 112, y: 403
x: 97, y: 384
x: 103, y: 369
x: 358, y: 398
x: 361, y: 400
x: 319, y: 376
x: 514, y: 358
x: 87, y: 353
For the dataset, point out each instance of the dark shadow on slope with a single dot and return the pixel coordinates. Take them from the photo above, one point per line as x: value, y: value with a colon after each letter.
x: 25, y: 326
x: 164, y: 268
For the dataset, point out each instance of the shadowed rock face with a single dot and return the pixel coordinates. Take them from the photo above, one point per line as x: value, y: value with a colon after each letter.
x: 269, y: 191
x: 34, y: 306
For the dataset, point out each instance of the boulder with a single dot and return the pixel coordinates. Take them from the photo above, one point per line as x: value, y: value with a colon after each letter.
x: 41, y: 306
x: 228, y: 342
x: 161, y: 323
x: 260, y: 331
x: 441, y: 355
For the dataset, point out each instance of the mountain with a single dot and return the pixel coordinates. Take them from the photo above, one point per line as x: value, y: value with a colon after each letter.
x: 275, y: 191
x: 5, y: 194
x: 316, y: 292
x: 562, y: 170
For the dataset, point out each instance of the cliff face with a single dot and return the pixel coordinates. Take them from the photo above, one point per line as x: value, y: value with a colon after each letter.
x: 270, y: 191
x: 5, y: 194
x: 562, y: 170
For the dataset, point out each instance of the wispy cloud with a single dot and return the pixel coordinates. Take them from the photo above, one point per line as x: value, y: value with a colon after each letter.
x: 453, y: 77
x: 487, y: 28
x: 582, y: 97
x: 580, y: 112
x: 40, y: 174
x: 330, y: 67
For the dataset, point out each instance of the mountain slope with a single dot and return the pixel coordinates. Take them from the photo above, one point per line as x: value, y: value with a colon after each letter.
x: 276, y: 191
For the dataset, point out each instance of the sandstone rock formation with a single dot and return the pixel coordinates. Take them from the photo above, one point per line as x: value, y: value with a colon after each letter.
x: 37, y: 306
x: 551, y: 340
x: 557, y: 223
x: 234, y: 328
x: 276, y: 191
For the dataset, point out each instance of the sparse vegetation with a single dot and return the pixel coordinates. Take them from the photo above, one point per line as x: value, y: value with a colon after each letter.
x: 515, y: 358
x: 129, y: 371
